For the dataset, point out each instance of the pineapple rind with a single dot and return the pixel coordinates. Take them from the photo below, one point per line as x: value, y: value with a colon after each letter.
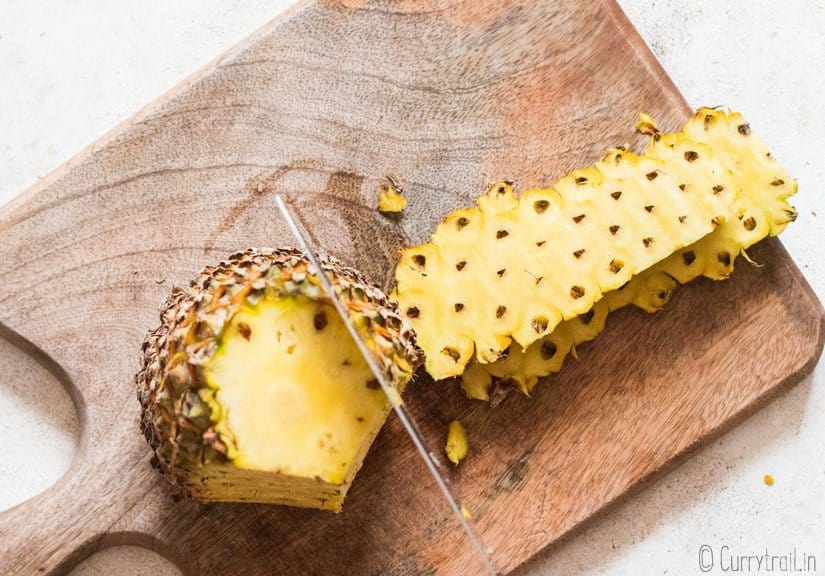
x: 182, y: 417
x: 510, y: 270
x: 766, y: 213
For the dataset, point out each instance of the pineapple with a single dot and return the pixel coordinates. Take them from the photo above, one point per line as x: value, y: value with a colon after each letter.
x: 253, y: 390
x: 456, y: 447
x: 391, y: 201
x: 763, y: 187
x: 508, y: 271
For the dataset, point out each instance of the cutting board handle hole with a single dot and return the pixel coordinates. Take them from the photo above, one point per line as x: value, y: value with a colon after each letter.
x: 40, y: 425
x: 121, y: 553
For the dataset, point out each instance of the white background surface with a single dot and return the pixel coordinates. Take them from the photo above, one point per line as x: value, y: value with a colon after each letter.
x: 68, y: 74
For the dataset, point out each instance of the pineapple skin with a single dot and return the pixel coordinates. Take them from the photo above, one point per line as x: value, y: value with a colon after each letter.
x: 763, y: 187
x: 180, y: 415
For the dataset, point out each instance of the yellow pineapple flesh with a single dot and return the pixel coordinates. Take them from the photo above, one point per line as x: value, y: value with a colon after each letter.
x: 509, y: 271
x: 298, y: 400
x: 763, y: 188
x: 390, y: 201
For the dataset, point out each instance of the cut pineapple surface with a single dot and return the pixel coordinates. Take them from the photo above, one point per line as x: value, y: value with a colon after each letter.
x: 298, y: 395
x: 510, y: 270
x: 763, y: 188
x: 253, y: 389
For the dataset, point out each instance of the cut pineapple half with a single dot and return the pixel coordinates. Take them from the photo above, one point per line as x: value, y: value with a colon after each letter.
x: 253, y: 389
x: 763, y: 187
x: 511, y: 270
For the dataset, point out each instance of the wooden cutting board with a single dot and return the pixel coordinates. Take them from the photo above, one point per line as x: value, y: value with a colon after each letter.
x: 321, y: 104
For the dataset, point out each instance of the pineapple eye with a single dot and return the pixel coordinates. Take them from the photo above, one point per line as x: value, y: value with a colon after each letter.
x: 581, y: 180
x: 460, y: 265
x: 615, y: 266
x: 451, y: 352
x: 688, y: 257
x: 548, y: 350
x: 461, y: 222
x: 744, y: 129
x: 459, y: 306
x: 587, y: 317
x: 412, y: 312
x: 501, y: 272
x: 373, y: 384
x: 616, y: 195
x: 777, y: 182
x: 614, y: 229
x: 540, y: 206
x: 502, y: 234
x: 540, y: 324
x: 718, y: 188
x: 649, y: 208
x: 647, y: 241
x: 576, y: 292
x: 244, y: 330
x: 682, y: 219
x: 749, y: 223
x: 320, y: 321
x: 724, y: 258
x: 690, y: 155
x: 578, y: 253
x: 419, y: 260
x: 652, y: 175
x: 578, y: 218
x: 501, y: 311
x: 682, y: 187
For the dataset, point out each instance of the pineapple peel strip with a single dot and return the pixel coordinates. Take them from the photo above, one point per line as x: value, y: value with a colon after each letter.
x: 509, y: 271
x: 763, y: 187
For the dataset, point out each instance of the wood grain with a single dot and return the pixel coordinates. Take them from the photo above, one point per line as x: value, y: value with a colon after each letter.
x: 320, y: 105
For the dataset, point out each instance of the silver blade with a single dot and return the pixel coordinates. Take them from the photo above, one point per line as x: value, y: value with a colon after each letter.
x: 431, y: 458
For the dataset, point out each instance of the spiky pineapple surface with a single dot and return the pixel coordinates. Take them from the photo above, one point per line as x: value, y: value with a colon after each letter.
x: 763, y: 187
x: 512, y: 269
x: 252, y: 388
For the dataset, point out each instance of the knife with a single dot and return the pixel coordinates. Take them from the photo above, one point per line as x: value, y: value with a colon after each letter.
x: 431, y: 458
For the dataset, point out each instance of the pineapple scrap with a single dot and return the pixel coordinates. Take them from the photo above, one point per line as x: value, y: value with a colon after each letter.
x: 509, y: 271
x: 763, y: 187
x: 391, y: 199
x: 456, y: 447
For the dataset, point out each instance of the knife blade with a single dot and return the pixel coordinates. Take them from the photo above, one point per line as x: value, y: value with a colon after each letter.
x: 431, y: 458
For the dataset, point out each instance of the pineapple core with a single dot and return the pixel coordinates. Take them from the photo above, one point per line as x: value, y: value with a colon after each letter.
x: 297, y: 396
